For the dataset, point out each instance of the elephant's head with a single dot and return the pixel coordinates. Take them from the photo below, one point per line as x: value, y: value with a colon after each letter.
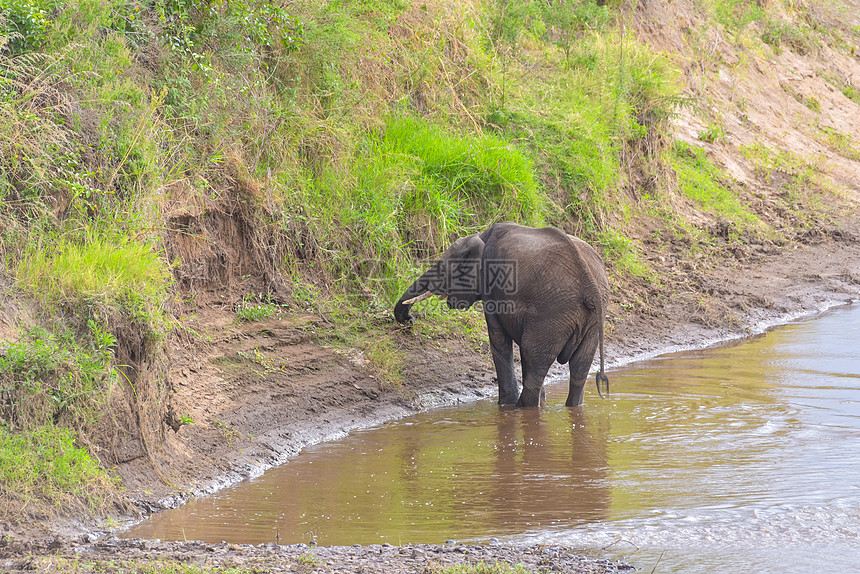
x: 455, y: 275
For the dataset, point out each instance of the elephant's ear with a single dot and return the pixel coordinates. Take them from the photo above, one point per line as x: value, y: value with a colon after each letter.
x: 486, y: 235
x: 495, y: 230
x: 475, y: 246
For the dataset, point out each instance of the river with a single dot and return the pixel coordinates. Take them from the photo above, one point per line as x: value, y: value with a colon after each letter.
x: 744, y: 457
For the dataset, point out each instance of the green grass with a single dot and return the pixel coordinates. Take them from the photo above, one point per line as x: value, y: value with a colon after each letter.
x: 56, y: 378
x: 412, y: 188
x: 45, y: 464
x: 840, y: 142
x: 256, y: 312
x: 702, y: 182
x: 805, y: 175
x: 97, y: 268
x: 842, y: 84
x: 580, y: 114
x: 735, y: 15
x: 622, y: 252
x: 786, y: 28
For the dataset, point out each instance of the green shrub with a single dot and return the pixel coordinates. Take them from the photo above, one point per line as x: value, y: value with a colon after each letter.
x: 26, y: 23
x: 48, y: 377
x: 566, y: 22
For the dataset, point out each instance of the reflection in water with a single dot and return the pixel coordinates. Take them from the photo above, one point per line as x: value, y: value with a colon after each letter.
x: 742, y: 457
x: 454, y: 473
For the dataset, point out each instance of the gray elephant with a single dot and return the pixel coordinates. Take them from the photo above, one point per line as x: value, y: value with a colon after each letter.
x: 541, y: 288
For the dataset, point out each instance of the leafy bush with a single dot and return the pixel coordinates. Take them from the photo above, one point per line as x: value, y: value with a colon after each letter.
x: 45, y: 377
x: 564, y: 23
x: 26, y: 23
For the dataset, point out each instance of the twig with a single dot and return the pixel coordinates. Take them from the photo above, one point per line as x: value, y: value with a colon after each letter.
x: 658, y: 562
x: 621, y: 540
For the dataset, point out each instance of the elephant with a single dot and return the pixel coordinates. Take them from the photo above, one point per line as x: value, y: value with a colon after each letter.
x: 541, y: 288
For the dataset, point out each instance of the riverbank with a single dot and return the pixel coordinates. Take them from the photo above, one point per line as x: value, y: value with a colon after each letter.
x: 117, y: 555
x: 202, y: 228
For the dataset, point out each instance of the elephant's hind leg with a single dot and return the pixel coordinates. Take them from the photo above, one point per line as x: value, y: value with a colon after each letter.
x: 580, y: 364
x: 534, y: 373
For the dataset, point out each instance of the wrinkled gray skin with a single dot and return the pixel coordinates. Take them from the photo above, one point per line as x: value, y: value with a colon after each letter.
x: 553, y: 310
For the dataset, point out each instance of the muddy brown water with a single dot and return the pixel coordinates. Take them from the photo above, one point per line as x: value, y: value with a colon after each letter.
x: 739, y: 458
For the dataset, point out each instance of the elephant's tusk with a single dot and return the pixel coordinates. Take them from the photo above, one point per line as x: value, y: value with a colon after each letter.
x: 425, y: 295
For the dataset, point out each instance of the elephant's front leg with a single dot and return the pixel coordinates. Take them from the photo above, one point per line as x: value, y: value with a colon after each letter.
x: 503, y: 358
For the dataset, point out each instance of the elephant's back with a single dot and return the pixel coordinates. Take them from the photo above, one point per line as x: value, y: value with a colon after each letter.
x: 550, y: 267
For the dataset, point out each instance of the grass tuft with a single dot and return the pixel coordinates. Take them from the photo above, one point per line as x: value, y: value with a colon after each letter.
x: 46, y: 465
x: 98, y: 268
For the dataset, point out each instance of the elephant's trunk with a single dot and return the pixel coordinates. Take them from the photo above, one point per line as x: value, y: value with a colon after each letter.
x: 416, y: 292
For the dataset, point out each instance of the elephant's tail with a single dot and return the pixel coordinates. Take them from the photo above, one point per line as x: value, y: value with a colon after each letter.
x: 601, y: 377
